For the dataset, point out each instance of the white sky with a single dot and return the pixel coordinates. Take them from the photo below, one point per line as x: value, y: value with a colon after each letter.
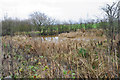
x: 58, y: 9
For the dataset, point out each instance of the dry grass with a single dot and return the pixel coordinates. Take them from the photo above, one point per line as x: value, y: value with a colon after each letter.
x: 68, y: 58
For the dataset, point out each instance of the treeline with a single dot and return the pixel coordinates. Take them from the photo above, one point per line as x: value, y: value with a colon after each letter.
x: 10, y: 26
x: 43, y: 25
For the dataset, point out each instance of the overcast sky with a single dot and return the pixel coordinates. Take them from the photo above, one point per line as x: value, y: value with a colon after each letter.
x: 58, y: 9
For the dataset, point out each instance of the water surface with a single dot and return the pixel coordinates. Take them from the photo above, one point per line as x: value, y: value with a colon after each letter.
x: 57, y: 38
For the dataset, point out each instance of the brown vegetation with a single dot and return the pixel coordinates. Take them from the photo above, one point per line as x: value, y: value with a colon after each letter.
x: 67, y: 58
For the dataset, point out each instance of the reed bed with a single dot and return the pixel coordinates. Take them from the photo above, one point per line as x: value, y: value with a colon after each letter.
x: 70, y: 58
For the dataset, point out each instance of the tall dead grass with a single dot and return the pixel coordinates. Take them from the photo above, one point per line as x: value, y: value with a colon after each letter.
x: 68, y: 58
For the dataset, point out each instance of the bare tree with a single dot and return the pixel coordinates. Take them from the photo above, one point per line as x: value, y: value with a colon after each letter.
x: 40, y: 19
x: 111, y: 12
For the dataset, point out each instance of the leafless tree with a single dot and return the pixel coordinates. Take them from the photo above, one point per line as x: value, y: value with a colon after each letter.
x: 111, y: 12
x: 40, y: 19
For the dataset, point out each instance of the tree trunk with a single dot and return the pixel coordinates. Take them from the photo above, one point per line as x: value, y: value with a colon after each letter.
x: 118, y: 45
x: 111, y: 33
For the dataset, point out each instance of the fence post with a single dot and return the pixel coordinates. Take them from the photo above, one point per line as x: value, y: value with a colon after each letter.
x: 1, y: 55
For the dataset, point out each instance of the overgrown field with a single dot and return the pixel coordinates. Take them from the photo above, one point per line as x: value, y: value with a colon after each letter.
x: 80, y: 54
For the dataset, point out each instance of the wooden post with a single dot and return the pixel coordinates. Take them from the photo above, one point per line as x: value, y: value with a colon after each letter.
x: 1, y: 55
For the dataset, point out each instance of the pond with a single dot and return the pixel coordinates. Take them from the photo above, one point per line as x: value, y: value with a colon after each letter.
x: 48, y: 38
x: 58, y: 38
